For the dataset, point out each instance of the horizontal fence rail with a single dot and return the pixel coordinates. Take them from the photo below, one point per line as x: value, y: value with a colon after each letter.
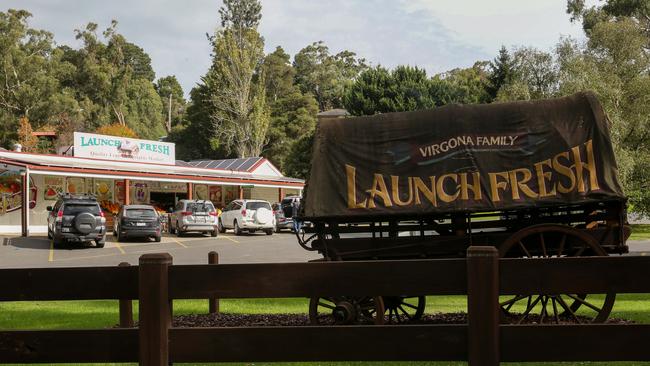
x: 414, y: 277
x: 482, y: 276
x: 76, y: 283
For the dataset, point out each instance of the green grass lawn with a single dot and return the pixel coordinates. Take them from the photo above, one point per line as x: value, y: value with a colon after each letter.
x: 101, y: 314
x: 640, y: 232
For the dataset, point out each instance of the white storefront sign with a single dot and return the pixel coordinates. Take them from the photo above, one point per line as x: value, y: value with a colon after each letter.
x: 89, y: 145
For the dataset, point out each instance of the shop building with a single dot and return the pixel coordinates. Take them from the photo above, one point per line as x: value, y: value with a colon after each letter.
x: 122, y: 171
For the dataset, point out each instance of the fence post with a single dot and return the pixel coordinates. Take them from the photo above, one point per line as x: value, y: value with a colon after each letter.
x: 155, y: 309
x: 483, y: 311
x: 213, y: 258
x: 126, y: 307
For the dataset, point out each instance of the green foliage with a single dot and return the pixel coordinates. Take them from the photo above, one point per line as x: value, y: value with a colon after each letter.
x: 615, y: 64
x: 194, y: 136
x: 463, y: 86
x: 378, y: 90
x: 30, y: 72
x: 116, y: 129
x: 502, y: 71
x: 279, y: 75
x: 293, y: 116
x: 240, y: 14
x: 407, y: 88
x: 298, y: 163
x: 114, y: 83
x: 239, y: 110
x: 324, y: 75
x: 168, y: 88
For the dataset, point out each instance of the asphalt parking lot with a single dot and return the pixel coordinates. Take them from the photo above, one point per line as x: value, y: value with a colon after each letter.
x: 37, y: 251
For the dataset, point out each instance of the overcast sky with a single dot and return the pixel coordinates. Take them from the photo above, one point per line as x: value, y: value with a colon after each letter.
x: 435, y: 34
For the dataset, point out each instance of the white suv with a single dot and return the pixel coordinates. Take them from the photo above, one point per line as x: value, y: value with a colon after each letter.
x: 247, y: 215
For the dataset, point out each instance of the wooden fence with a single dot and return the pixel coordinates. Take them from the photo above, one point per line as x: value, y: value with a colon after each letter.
x: 482, y: 341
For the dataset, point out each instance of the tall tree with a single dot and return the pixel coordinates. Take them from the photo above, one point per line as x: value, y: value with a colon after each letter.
x: 615, y: 64
x: 173, y: 100
x: 325, y: 75
x: 378, y: 90
x: 235, y: 82
x: 502, y: 71
x: 279, y: 74
x: 113, y: 83
x: 464, y: 86
x: 30, y: 70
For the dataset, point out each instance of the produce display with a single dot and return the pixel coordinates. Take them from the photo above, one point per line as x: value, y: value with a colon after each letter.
x: 110, y: 207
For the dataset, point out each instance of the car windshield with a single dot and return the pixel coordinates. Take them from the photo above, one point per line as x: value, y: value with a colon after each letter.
x: 200, y: 207
x: 75, y: 208
x: 257, y: 205
x: 145, y: 213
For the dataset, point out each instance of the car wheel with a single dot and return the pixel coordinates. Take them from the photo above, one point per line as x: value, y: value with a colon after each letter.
x: 269, y: 232
x: 213, y: 233
x: 236, y: 228
x: 158, y: 239
x: 222, y: 229
x: 100, y: 243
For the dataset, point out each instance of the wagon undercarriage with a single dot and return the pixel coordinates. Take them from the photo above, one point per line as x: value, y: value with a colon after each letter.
x: 571, y: 231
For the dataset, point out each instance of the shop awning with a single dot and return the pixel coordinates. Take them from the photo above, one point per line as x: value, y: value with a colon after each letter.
x: 87, y: 167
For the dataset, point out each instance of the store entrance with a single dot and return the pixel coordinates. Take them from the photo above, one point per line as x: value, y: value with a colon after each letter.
x: 166, y: 200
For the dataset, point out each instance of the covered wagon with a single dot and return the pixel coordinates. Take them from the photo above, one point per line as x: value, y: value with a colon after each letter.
x: 534, y: 179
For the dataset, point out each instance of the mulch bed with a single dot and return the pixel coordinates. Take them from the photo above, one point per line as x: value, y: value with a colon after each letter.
x: 263, y: 320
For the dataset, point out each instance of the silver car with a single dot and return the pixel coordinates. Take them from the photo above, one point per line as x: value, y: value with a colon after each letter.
x: 193, y: 216
x: 247, y: 215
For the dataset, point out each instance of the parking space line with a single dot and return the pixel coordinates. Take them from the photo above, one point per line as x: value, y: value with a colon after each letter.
x: 51, y: 257
x: 118, y: 246
x: 178, y: 242
x: 229, y: 238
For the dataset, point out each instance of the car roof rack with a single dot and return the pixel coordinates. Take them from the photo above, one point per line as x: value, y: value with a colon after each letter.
x: 79, y: 196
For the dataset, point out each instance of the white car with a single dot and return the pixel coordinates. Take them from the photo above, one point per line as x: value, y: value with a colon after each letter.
x: 247, y: 215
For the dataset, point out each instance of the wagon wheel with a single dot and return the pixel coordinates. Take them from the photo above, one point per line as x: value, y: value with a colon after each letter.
x: 404, y: 309
x: 552, y: 241
x: 346, y: 310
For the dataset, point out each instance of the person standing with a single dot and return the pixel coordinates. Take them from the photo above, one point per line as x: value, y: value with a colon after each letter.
x: 295, y: 209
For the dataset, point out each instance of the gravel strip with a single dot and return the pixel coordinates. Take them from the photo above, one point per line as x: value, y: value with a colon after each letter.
x: 270, y: 320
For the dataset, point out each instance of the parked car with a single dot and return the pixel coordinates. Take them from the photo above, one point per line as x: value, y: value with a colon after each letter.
x: 281, y: 221
x: 76, y: 218
x: 287, y: 205
x: 140, y: 221
x: 247, y: 215
x: 193, y: 216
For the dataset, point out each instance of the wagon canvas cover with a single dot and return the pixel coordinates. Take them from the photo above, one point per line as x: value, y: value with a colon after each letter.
x: 463, y: 158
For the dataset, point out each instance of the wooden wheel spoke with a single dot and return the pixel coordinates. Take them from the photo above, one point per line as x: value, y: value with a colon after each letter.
x: 408, y: 316
x: 409, y: 305
x: 555, y: 314
x: 513, y: 300
x: 582, y: 250
x: 568, y: 309
x: 326, y: 305
x: 585, y: 303
x: 524, y: 248
x: 543, y: 313
x: 529, y: 308
x: 561, y: 247
x: 543, y: 244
